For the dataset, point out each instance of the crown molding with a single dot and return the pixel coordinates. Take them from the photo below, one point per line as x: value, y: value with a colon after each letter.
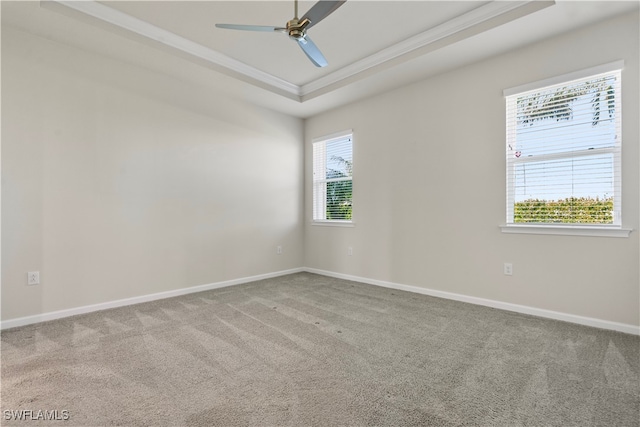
x: 450, y: 28
x: 127, y: 22
x: 473, y: 22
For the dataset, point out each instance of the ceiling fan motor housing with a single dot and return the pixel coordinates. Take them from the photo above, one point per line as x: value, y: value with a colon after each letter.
x: 296, y: 29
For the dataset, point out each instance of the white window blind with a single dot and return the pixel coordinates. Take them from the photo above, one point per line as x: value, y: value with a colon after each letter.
x: 333, y: 178
x: 563, y: 153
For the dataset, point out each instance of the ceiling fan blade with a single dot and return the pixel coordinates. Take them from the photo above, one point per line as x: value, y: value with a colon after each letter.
x: 312, y: 52
x: 321, y: 10
x: 264, y: 28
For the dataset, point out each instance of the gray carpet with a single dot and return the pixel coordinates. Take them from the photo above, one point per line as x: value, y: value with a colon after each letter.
x: 308, y: 350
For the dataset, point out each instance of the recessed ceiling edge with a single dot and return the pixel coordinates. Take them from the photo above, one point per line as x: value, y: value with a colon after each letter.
x: 466, y: 25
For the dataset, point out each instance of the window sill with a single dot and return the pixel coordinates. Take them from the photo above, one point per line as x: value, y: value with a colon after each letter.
x: 566, y: 230
x: 333, y: 223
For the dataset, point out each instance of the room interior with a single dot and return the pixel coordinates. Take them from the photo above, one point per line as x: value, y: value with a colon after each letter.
x: 194, y: 175
x: 147, y: 154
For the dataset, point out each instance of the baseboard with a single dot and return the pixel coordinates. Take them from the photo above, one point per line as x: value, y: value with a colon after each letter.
x: 587, y: 321
x: 44, y: 317
x: 572, y: 318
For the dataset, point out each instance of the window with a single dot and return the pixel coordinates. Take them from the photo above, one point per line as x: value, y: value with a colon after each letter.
x: 333, y: 178
x: 563, y: 151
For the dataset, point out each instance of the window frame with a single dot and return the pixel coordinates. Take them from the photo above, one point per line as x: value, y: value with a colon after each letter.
x: 319, y: 204
x: 608, y: 230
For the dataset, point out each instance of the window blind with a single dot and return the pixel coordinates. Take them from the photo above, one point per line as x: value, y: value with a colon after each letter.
x: 563, y: 153
x: 333, y: 179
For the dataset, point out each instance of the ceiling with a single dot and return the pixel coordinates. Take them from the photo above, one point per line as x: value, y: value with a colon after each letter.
x: 371, y: 46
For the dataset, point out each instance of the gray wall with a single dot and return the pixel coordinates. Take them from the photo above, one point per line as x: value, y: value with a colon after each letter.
x: 429, y: 187
x: 115, y: 185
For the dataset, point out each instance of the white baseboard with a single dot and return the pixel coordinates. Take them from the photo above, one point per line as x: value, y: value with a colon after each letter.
x: 572, y: 318
x: 44, y: 317
x: 587, y: 321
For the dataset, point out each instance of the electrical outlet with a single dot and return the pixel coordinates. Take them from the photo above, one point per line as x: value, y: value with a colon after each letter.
x: 508, y: 269
x: 279, y: 250
x: 33, y: 278
x: 349, y: 251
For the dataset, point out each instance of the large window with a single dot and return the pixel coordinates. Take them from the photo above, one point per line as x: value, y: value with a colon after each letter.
x: 563, y: 151
x: 333, y: 178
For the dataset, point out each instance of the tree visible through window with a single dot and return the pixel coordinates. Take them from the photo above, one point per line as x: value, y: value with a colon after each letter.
x: 563, y: 153
x: 333, y: 179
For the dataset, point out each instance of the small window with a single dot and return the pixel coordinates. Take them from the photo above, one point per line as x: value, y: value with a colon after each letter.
x: 333, y: 178
x: 563, y: 153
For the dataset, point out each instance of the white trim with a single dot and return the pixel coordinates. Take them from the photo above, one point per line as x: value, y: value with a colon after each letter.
x: 565, y: 317
x: 167, y: 38
x: 333, y: 223
x: 319, y: 186
x: 299, y: 93
x: 52, y: 315
x: 581, y: 320
x: 454, y: 26
x: 565, y: 78
x: 566, y: 230
x: 563, y: 155
x: 577, y: 79
x: 334, y: 136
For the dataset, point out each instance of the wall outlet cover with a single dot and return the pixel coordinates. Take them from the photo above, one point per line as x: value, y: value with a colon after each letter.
x: 33, y: 278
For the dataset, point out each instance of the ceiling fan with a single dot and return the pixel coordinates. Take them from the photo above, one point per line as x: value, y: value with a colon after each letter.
x: 297, y: 28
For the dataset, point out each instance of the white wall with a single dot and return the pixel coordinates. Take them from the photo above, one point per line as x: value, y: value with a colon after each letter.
x: 118, y: 182
x: 429, y: 188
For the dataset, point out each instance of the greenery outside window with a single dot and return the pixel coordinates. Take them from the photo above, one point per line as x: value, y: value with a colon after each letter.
x: 333, y: 179
x: 563, y: 151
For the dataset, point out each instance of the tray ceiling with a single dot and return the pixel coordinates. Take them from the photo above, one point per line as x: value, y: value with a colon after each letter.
x: 371, y: 46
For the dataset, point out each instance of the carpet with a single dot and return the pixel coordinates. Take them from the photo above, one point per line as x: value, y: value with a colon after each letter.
x: 310, y: 350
